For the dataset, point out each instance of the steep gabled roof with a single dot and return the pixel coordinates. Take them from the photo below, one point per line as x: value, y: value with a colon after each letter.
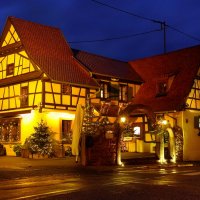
x: 182, y: 64
x: 99, y: 65
x: 47, y: 47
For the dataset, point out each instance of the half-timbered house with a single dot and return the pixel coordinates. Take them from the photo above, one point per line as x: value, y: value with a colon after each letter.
x: 172, y: 91
x: 41, y: 78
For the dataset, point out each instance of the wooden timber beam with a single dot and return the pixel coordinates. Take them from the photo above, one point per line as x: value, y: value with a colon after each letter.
x: 20, y: 78
x: 11, y: 48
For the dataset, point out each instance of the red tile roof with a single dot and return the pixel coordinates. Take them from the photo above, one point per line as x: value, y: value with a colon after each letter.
x: 103, y: 66
x: 184, y: 64
x: 47, y: 47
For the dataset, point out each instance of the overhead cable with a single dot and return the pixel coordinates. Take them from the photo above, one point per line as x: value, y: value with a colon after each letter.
x: 163, y: 24
x: 127, y: 12
x: 116, y: 38
x: 183, y: 33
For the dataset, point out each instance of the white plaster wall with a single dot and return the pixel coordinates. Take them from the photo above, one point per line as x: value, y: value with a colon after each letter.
x: 191, y: 145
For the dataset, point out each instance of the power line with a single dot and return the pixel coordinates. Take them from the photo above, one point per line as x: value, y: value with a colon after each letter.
x: 116, y: 38
x: 183, y: 33
x: 127, y: 12
x: 162, y: 24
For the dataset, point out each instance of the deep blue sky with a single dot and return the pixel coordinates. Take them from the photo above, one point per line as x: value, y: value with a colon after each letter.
x: 83, y: 20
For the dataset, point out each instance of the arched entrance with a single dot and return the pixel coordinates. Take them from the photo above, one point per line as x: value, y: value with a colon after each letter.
x: 132, y: 112
x: 133, y: 108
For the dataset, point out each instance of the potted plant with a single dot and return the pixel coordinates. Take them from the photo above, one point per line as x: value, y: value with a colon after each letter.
x: 17, y: 148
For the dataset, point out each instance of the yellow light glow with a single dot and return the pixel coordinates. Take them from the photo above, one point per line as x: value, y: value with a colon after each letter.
x: 56, y: 115
x: 27, y: 117
x: 173, y: 160
x: 162, y: 161
x: 121, y: 164
x: 164, y: 122
x: 123, y: 119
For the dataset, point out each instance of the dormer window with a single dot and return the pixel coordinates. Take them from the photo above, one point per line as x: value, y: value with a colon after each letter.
x: 163, y: 85
x: 10, y: 69
x: 161, y: 88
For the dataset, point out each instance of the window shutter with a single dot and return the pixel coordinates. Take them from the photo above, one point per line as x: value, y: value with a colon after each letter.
x: 98, y: 94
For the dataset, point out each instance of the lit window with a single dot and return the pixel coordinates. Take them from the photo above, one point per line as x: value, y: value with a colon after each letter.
x: 123, y: 93
x: 197, y: 122
x: 109, y: 90
x: 10, y: 130
x: 10, y: 69
x: 104, y: 91
x: 136, y: 130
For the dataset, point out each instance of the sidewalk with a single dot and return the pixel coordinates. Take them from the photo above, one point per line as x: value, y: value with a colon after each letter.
x: 12, y: 162
x: 18, y: 163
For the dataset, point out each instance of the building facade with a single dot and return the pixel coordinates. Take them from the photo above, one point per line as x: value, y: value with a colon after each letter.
x: 41, y: 78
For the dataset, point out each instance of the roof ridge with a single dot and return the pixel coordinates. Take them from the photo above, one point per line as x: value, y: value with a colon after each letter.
x: 31, y: 22
x: 168, y: 53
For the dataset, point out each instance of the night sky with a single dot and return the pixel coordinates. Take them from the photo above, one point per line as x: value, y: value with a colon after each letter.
x: 87, y: 20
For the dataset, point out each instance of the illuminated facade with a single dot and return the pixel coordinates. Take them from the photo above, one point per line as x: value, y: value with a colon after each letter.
x: 172, y: 91
x: 41, y: 78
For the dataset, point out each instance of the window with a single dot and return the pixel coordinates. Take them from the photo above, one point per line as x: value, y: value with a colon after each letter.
x: 138, y: 129
x: 197, y: 122
x: 10, y: 130
x: 104, y: 90
x: 66, y: 89
x: 123, y: 92
x: 161, y: 88
x: 109, y: 90
x: 24, y: 96
x: 66, y: 131
x: 10, y: 69
x: 163, y: 85
x: 113, y: 91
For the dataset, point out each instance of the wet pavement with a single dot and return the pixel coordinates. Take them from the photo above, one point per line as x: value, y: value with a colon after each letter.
x: 48, y: 179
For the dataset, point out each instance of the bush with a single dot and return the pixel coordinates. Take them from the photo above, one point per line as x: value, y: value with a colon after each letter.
x: 68, y: 151
x: 17, y: 148
x: 2, y: 150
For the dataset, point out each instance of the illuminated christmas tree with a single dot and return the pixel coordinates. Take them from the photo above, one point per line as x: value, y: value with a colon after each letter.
x: 41, y: 141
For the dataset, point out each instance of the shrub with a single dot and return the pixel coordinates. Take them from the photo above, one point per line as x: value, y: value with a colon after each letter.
x: 17, y: 148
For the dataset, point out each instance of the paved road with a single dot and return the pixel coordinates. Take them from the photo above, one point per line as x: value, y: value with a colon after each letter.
x: 61, y: 179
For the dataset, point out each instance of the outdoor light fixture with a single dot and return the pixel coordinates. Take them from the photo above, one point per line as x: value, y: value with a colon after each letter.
x: 164, y: 122
x: 123, y: 119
